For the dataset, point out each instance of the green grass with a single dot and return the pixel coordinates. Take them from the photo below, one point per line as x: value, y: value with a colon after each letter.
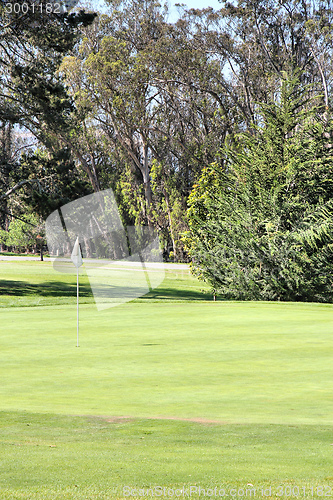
x: 17, y: 254
x: 96, y: 457
x: 261, y: 371
x: 35, y: 283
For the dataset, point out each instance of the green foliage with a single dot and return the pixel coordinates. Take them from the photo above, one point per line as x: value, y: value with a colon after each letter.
x: 261, y: 222
x: 130, y: 198
x: 132, y: 90
x: 58, y: 181
x: 167, y: 212
x: 34, y: 42
x: 21, y: 235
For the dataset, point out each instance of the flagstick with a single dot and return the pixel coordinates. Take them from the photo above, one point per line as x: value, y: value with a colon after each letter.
x: 77, y: 296
x: 76, y: 258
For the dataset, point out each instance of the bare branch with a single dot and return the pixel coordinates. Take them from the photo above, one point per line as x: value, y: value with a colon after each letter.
x: 18, y: 186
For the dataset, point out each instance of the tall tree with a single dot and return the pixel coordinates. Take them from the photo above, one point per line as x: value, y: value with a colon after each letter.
x: 261, y: 223
x: 117, y: 79
x: 33, y: 40
x: 7, y: 162
x: 126, y: 80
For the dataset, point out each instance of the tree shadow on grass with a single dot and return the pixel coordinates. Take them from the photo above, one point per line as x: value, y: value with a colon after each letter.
x: 46, y: 289
x: 164, y: 293
x: 61, y: 289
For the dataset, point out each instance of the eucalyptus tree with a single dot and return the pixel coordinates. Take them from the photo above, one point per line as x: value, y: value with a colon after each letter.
x: 262, y: 39
x: 157, y: 100
x: 113, y: 76
x: 135, y: 79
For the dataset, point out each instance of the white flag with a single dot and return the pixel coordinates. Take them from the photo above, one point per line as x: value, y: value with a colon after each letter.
x: 76, y: 256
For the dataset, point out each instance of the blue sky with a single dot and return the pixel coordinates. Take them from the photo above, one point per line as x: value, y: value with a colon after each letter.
x: 199, y: 4
x: 191, y: 4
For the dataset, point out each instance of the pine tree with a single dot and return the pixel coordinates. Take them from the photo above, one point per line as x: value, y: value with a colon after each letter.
x: 261, y: 222
x: 33, y: 43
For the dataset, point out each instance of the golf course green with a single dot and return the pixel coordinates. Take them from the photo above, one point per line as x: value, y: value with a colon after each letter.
x: 168, y: 390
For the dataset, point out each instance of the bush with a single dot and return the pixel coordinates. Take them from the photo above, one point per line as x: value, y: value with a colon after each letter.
x: 261, y: 221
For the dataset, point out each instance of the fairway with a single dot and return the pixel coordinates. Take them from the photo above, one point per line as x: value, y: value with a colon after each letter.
x: 224, y: 391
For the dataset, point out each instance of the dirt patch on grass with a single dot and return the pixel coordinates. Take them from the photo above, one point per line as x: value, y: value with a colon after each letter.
x: 117, y: 420
x: 197, y: 420
x: 206, y: 421
x: 129, y: 418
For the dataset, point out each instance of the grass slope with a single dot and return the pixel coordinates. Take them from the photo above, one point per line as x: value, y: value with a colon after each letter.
x: 72, y: 457
x: 261, y: 369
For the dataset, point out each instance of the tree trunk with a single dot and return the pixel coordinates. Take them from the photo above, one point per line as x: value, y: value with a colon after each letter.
x: 146, y: 176
x: 170, y: 225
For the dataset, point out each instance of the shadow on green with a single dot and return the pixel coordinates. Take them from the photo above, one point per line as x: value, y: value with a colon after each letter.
x: 175, y: 287
x: 49, y: 288
x: 169, y: 293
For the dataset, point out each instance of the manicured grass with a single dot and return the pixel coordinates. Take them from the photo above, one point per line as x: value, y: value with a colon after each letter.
x: 35, y: 283
x: 232, y: 362
x: 25, y: 254
x: 262, y: 370
x: 96, y: 457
